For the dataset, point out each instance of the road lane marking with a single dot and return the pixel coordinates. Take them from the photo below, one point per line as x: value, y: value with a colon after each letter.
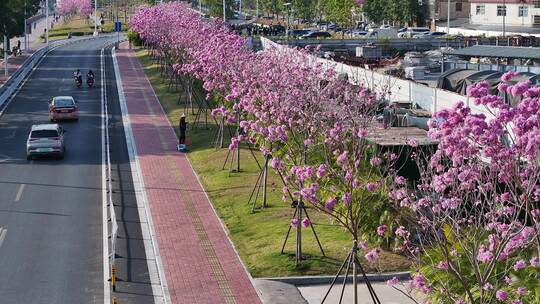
x: 3, y: 232
x: 20, y: 192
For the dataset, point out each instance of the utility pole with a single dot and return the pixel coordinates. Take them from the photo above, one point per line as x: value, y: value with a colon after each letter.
x: 448, y: 19
x: 288, y: 6
x: 47, y: 22
x: 5, y: 55
x: 95, y: 18
x: 224, y: 11
x: 25, y: 29
x: 504, y: 18
x: 200, y: 6
x: 257, y: 9
x: 240, y: 7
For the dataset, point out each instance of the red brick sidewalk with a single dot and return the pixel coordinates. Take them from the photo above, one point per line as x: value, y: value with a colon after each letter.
x: 201, y: 266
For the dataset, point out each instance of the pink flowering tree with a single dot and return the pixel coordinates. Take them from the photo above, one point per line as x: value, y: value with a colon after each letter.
x: 315, y: 126
x: 74, y: 7
x: 310, y: 123
x: 476, y: 204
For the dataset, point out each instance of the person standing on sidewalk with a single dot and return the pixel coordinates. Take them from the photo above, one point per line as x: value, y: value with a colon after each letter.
x: 182, y: 126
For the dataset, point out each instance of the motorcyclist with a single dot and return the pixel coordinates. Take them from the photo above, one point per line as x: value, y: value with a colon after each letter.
x: 90, y: 75
x: 78, y: 75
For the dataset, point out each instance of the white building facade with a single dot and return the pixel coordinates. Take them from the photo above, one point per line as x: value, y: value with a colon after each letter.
x: 511, y: 12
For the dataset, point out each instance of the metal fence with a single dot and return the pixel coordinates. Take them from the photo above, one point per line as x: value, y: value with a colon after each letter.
x: 491, y: 67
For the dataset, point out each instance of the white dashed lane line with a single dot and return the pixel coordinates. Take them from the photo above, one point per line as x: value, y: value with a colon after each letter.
x: 3, y: 232
x: 20, y: 192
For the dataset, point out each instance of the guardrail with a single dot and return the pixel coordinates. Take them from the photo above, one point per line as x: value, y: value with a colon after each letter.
x: 110, y: 202
x: 491, y: 67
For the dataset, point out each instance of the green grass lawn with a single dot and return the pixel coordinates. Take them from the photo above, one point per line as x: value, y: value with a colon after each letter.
x: 258, y: 236
x: 76, y: 25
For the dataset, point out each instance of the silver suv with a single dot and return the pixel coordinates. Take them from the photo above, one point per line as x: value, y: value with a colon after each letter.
x: 45, y: 139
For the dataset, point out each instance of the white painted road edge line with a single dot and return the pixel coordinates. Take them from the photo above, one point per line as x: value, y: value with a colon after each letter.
x: 106, y: 266
x: 154, y: 262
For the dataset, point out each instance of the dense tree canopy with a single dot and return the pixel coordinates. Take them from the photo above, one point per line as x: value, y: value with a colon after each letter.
x: 339, y: 11
x: 13, y: 13
x: 395, y: 11
x: 216, y: 7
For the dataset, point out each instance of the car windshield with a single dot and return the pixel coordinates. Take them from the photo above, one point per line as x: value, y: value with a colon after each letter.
x: 44, y: 133
x: 63, y: 102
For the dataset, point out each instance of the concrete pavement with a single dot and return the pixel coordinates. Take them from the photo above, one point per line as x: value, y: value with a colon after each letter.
x: 51, y: 209
x: 387, y: 295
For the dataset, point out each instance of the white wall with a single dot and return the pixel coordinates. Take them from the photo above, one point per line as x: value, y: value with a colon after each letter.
x: 468, y: 32
x: 431, y: 99
x: 512, y: 15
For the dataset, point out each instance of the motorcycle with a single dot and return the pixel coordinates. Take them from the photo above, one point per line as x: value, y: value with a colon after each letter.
x: 78, y: 81
x: 90, y: 81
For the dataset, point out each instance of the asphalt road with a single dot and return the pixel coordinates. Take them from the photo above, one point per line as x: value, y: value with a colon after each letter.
x: 51, y: 227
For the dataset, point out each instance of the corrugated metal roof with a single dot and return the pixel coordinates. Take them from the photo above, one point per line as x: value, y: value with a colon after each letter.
x: 498, y: 51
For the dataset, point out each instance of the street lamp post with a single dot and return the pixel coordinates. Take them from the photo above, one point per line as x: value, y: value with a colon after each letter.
x: 257, y: 9
x: 288, y: 6
x: 504, y: 19
x: 5, y: 55
x: 200, y: 6
x: 448, y: 19
x: 95, y: 18
x: 224, y: 12
x: 25, y: 29
x: 47, y: 22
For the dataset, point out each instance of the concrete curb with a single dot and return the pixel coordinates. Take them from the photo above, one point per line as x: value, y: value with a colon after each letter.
x: 318, y: 280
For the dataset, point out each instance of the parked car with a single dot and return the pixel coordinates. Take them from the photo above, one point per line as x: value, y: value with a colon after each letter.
x: 45, y: 139
x: 298, y: 33
x: 316, y: 35
x: 382, y: 33
x: 431, y: 35
x: 63, y: 107
x: 358, y: 33
x: 412, y: 31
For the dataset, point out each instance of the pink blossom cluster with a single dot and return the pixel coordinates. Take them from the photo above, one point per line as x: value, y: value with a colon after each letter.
x: 478, y: 194
x: 69, y: 7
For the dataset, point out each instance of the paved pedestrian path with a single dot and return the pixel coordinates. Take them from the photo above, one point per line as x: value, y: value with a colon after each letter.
x: 200, y: 263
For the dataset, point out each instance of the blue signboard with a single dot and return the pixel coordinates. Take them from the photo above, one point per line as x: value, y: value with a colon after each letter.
x: 118, y: 26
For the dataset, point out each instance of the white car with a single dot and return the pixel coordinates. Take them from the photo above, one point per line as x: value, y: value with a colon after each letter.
x: 412, y: 31
x: 431, y: 35
x: 45, y: 139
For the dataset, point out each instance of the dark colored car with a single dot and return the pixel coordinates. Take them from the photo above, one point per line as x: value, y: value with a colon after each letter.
x: 298, y: 33
x: 316, y: 35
